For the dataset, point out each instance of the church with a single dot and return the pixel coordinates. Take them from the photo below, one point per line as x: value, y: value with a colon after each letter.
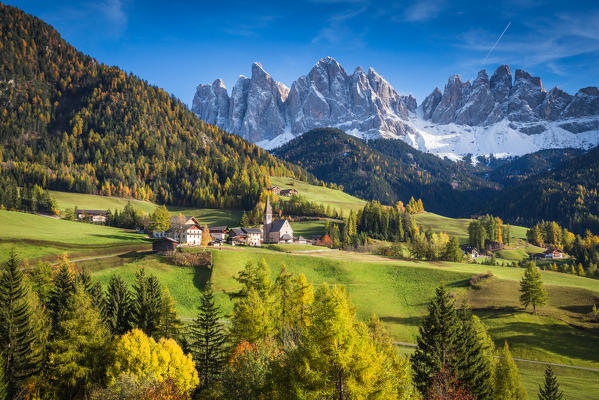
x: 278, y: 231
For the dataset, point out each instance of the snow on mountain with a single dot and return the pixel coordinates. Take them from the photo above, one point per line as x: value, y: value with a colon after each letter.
x: 496, y: 115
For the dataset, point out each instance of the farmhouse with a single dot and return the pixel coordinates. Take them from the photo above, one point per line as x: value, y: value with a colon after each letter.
x: 553, y: 253
x: 274, y: 189
x: 218, y: 233
x: 96, y: 216
x: 288, y: 192
x: 278, y: 231
x: 471, y: 251
x: 237, y: 236
x: 185, y: 231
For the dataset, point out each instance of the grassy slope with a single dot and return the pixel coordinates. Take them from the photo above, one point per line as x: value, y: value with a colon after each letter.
x: 335, y: 198
x: 398, y: 291
x: 36, y: 236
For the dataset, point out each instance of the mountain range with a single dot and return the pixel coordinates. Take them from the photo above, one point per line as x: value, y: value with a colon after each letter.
x: 503, y: 115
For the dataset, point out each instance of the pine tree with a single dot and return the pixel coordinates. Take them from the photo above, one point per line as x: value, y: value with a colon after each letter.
x: 550, y: 389
x: 207, y: 339
x: 160, y: 220
x: 118, y: 305
x: 452, y: 251
x: 436, y: 340
x: 169, y: 325
x: 532, y: 290
x: 245, y: 221
x: 507, y: 385
x: 3, y: 385
x: 93, y: 289
x: 146, y: 302
x: 472, y: 366
x: 62, y: 290
x: 17, y: 334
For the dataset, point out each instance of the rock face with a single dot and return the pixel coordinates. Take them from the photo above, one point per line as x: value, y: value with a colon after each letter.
x: 260, y: 109
x: 502, y: 115
x: 485, y: 102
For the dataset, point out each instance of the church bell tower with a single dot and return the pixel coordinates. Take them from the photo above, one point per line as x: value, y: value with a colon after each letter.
x: 267, y: 220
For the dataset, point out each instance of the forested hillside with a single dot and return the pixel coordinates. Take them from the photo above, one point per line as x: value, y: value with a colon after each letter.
x: 567, y: 195
x: 71, y: 123
x: 388, y: 171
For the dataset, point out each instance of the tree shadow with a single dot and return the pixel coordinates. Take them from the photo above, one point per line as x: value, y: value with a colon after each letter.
x: 201, y: 277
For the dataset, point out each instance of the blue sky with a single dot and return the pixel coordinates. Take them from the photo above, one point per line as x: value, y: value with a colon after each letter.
x: 415, y: 45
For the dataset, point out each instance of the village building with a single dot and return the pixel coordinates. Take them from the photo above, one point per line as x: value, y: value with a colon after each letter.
x: 164, y: 245
x: 95, y: 216
x: 470, y: 251
x: 237, y: 237
x: 553, y: 253
x: 274, y: 189
x: 253, y: 237
x: 218, y: 233
x: 288, y: 192
x: 185, y: 232
x: 278, y: 231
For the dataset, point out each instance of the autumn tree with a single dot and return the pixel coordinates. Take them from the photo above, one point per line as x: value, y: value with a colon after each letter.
x: 160, y: 220
x: 507, y: 384
x: 206, y: 238
x: 532, y: 290
x: 137, y: 354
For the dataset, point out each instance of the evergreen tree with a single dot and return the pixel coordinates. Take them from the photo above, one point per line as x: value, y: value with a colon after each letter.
x: 452, y: 251
x: 169, y: 325
x: 436, y: 340
x: 507, y: 385
x: 245, y: 221
x: 147, y: 301
x: 17, y: 334
x: 118, y: 305
x: 284, y: 317
x: 550, y: 389
x: 473, y: 368
x: 532, y: 290
x: 62, y: 290
x: 207, y: 339
x: 3, y: 385
x: 93, y: 289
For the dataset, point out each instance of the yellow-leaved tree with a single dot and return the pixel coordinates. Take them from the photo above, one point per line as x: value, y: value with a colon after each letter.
x: 137, y: 354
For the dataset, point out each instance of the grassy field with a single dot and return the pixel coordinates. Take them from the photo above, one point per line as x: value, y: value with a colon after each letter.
x: 322, y: 195
x: 398, y: 292
x: 93, y: 202
x: 205, y: 215
x: 36, y: 237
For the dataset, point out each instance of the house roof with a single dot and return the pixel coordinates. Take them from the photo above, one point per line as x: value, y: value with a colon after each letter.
x: 287, y: 237
x: 92, y: 212
x: 237, y: 232
x: 165, y: 239
x: 218, y: 229
x: 252, y: 230
x: 277, y: 225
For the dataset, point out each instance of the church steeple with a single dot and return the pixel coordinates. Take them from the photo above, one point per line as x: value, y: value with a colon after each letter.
x: 267, y: 220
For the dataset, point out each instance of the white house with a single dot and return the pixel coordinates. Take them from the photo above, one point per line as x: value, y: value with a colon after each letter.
x: 96, y: 216
x: 254, y: 237
x: 185, y: 232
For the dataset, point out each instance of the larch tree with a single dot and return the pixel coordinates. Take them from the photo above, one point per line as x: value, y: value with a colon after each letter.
x: 532, y: 290
x: 207, y: 339
x: 206, y: 238
x: 169, y: 324
x: 550, y: 389
x: 507, y: 384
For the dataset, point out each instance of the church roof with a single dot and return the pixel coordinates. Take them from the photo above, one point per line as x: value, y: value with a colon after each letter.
x: 277, y: 225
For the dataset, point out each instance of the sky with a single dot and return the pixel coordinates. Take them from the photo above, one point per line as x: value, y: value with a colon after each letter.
x: 415, y: 45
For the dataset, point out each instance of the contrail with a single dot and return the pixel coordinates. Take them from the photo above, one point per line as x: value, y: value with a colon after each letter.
x: 497, y: 42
